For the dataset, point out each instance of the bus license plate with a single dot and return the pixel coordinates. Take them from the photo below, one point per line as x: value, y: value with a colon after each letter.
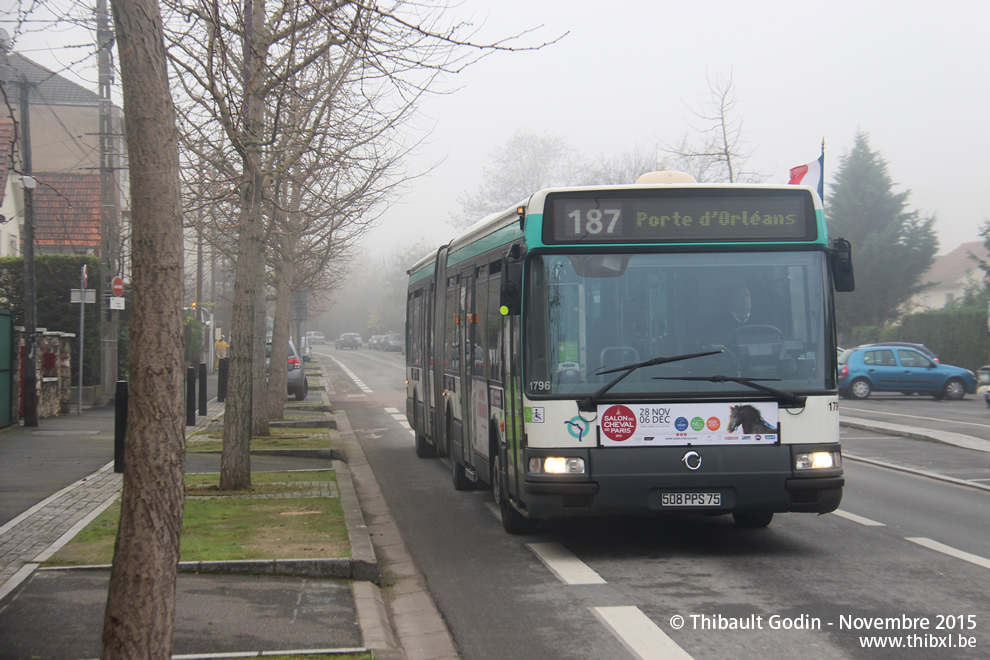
x: 691, y: 499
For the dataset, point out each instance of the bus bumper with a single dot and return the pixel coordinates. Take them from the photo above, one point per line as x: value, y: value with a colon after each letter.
x: 633, y: 481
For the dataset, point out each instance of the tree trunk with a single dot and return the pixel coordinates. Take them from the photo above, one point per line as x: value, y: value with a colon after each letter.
x: 259, y: 405
x: 140, y: 610
x: 277, y: 378
x: 235, y: 459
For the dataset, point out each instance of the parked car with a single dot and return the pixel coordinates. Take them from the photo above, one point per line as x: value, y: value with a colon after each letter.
x: 877, y: 368
x: 316, y: 337
x: 918, y: 347
x: 376, y: 342
x: 394, y: 343
x: 298, y: 385
x: 348, y: 340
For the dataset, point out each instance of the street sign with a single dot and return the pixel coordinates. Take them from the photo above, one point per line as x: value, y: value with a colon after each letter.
x: 118, y: 286
x: 116, y: 302
x: 75, y: 295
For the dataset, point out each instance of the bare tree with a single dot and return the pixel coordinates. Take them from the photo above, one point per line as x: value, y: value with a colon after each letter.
x: 622, y: 169
x: 241, y: 72
x: 717, y: 154
x: 140, y: 608
x: 525, y: 164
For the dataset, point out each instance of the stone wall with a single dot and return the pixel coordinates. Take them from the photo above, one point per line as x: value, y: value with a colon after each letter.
x: 53, y: 368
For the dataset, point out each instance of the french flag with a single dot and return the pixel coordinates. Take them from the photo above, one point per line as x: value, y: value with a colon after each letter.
x: 810, y: 175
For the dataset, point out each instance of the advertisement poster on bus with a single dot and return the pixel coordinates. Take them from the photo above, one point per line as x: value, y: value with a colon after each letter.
x: 641, y: 425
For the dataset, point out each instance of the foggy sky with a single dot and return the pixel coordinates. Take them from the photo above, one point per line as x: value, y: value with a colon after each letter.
x: 912, y: 75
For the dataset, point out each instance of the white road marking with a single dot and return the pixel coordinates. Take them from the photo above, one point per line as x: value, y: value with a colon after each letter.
x: 952, y: 552
x: 562, y: 563
x: 859, y: 519
x: 930, y: 419
x: 401, y: 419
x: 638, y: 634
x: 353, y: 376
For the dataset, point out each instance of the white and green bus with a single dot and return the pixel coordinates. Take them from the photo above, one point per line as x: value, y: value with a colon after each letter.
x: 579, y: 354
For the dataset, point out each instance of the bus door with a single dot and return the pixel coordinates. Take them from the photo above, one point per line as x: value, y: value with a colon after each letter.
x: 514, y: 411
x: 426, y: 363
x: 466, y: 358
x: 477, y: 324
x: 437, y: 327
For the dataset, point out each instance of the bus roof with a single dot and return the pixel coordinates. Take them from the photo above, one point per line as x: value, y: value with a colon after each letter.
x: 504, y: 227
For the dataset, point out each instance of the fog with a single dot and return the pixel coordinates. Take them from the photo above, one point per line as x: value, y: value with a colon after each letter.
x: 912, y: 75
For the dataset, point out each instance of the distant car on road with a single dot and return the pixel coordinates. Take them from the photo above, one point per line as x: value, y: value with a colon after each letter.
x: 375, y: 342
x: 885, y: 368
x: 316, y: 337
x: 394, y: 343
x: 348, y: 340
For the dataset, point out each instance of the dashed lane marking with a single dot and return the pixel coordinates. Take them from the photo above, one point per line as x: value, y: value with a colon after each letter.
x: 562, y: 563
x: 639, y: 634
x: 859, y: 519
x: 952, y: 552
x: 353, y: 376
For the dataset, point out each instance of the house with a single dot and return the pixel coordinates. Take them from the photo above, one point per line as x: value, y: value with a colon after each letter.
x: 66, y: 159
x: 11, y: 196
x: 67, y: 213
x: 79, y: 202
x: 951, y: 275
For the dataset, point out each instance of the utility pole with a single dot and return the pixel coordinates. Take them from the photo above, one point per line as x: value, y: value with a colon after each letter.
x: 30, y: 392
x: 109, y: 233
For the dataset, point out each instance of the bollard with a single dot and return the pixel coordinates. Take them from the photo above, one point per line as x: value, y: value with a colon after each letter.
x: 191, y: 396
x: 119, y: 425
x: 202, y: 388
x: 222, y: 371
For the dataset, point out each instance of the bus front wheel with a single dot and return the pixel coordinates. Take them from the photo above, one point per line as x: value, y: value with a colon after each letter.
x: 513, y: 522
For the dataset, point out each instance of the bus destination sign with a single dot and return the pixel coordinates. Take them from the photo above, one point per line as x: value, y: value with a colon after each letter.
x: 745, y: 215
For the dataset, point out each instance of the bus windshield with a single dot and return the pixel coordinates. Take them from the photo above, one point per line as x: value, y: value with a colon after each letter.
x: 766, y: 312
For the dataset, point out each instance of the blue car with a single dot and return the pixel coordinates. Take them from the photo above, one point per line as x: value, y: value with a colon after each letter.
x: 866, y: 369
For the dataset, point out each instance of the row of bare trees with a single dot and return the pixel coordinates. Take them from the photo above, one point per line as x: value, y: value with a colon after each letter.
x: 715, y: 152
x: 291, y: 139
x: 292, y: 121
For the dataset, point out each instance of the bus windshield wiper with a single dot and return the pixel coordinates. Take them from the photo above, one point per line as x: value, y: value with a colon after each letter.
x: 782, y: 396
x: 590, y: 402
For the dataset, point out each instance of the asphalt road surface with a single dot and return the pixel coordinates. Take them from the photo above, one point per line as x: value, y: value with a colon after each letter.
x: 902, y: 569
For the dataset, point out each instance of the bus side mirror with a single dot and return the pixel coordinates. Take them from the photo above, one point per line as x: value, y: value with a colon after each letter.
x: 510, y: 289
x: 842, y: 266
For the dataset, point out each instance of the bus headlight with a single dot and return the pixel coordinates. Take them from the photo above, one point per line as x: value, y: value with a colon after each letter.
x: 557, y: 465
x: 817, y: 460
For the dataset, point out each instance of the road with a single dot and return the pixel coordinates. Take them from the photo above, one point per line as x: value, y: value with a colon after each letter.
x: 904, y: 551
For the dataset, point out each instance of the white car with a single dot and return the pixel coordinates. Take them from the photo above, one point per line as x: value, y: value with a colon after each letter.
x: 316, y: 337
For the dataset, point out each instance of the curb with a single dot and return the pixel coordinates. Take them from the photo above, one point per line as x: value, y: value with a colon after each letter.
x: 413, y: 627
x: 944, y: 437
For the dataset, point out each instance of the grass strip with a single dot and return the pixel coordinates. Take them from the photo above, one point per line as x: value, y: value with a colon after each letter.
x: 232, y: 526
x: 295, y: 438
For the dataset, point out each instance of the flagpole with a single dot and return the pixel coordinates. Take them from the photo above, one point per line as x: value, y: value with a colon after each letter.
x: 821, y: 177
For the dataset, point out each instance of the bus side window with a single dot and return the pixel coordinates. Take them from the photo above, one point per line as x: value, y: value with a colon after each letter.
x: 450, y: 326
x: 480, y: 321
x: 494, y: 357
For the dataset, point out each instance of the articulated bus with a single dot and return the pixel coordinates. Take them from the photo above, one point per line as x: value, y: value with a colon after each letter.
x: 578, y: 355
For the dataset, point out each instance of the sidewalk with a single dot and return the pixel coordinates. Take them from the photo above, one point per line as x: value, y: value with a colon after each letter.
x: 36, y: 534
x: 331, y: 606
